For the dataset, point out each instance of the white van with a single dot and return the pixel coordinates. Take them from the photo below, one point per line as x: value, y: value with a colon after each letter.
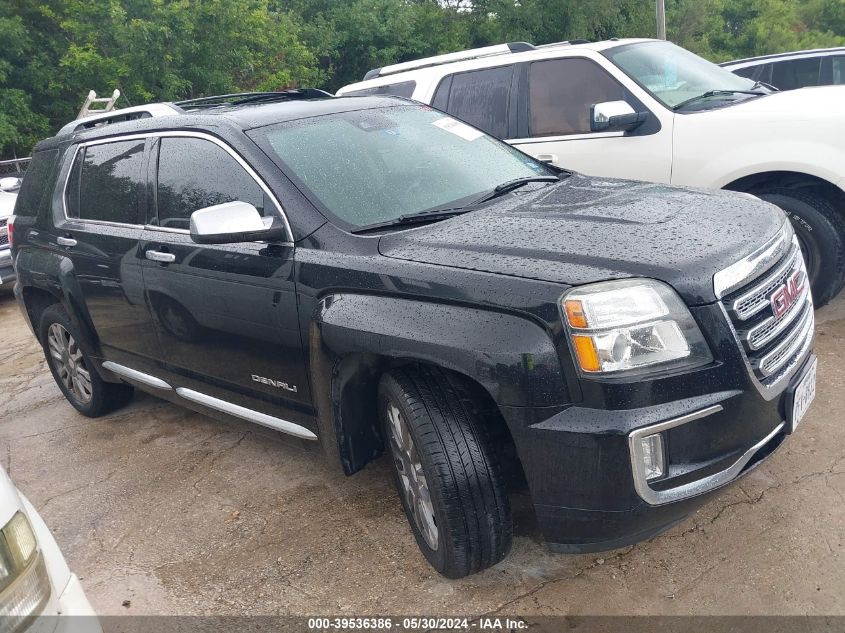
x: 650, y: 110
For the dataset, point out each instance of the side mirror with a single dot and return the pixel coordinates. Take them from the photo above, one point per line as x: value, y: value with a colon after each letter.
x: 614, y: 116
x: 233, y: 222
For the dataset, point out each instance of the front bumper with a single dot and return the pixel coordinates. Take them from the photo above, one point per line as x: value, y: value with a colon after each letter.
x: 717, y: 424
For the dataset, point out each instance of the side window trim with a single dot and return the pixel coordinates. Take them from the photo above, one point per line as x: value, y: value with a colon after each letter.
x: 171, y: 134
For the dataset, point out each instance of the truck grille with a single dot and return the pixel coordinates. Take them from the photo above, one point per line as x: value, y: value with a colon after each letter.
x: 4, y: 232
x: 773, y: 317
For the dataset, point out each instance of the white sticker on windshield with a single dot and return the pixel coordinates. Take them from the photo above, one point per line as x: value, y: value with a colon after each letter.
x: 458, y: 129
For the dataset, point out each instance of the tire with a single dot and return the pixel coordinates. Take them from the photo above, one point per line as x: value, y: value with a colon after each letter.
x: 72, y: 369
x: 821, y: 232
x: 458, y: 480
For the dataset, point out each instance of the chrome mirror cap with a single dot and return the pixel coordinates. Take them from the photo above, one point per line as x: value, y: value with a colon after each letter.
x: 232, y: 222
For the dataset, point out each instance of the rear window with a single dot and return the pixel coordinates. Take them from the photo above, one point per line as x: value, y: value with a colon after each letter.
x: 36, y: 182
x: 401, y: 89
x: 479, y: 97
x: 106, y: 183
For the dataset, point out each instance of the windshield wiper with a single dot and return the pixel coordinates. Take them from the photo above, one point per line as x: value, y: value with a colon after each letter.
x: 413, y: 218
x: 714, y: 93
x: 510, y: 185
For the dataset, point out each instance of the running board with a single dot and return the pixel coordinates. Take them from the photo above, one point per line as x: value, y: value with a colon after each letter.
x: 246, y: 414
x: 137, y: 376
x: 212, y: 403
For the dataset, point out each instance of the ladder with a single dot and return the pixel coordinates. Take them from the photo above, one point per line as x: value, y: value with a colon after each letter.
x: 92, y: 98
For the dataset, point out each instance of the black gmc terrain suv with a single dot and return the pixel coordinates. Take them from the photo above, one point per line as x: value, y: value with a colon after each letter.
x: 373, y: 276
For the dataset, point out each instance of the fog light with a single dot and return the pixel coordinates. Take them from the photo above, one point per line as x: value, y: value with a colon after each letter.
x: 652, y: 453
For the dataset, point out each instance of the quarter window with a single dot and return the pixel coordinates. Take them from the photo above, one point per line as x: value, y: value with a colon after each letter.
x: 561, y: 93
x: 839, y: 70
x: 193, y: 174
x: 106, y: 184
x: 479, y: 97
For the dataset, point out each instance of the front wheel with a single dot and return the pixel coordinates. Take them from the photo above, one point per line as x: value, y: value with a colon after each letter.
x: 819, y: 228
x: 447, y: 475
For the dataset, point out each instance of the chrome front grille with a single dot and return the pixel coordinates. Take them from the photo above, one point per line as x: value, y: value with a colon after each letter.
x: 773, y: 317
x: 4, y: 232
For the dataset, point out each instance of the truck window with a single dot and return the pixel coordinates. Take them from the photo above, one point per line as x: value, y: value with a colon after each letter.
x: 561, y: 93
x: 105, y: 183
x: 31, y: 194
x: 796, y: 73
x: 479, y: 97
x: 401, y: 89
x: 838, y: 70
x: 193, y: 174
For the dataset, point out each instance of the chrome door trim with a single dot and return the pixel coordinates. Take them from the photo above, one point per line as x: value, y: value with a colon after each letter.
x: 176, y: 134
x: 137, y: 376
x: 246, y: 414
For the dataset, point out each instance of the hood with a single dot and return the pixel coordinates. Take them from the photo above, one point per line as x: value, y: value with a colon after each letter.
x: 803, y: 104
x: 586, y: 229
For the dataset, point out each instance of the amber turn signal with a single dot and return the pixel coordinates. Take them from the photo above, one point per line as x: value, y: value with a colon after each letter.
x: 585, y: 350
x: 575, y: 315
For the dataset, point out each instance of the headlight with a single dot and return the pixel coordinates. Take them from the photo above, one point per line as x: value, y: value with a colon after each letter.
x: 24, y: 583
x: 632, y: 326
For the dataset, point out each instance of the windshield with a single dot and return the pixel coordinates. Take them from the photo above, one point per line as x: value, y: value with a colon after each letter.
x: 371, y: 166
x: 673, y: 74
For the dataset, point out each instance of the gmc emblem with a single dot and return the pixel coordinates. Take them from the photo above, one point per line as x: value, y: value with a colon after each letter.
x: 787, y: 294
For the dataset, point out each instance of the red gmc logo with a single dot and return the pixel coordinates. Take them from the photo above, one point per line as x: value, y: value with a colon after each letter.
x: 787, y: 294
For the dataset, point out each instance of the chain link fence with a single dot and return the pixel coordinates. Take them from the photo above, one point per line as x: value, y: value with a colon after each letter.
x: 13, y: 168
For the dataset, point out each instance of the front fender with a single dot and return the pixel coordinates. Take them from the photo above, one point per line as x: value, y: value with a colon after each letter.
x: 352, y: 338
x: 511, y: 357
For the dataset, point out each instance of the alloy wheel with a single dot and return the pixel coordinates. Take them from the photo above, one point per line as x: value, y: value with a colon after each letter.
x: 69, y: 363
x: 414, y: 484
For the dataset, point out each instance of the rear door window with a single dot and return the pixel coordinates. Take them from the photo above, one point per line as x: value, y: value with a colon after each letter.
x: 561, y: 93
x: 796, y: 73
x: 479, y: 97
x: 106, y: 183
x: 194, y: 173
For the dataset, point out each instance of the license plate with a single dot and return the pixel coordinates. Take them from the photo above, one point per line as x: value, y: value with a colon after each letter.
x: 803, y: 396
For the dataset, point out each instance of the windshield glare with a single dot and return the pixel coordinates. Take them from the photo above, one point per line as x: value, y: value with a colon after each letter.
x: 673, y: 74
x: 375, y: 165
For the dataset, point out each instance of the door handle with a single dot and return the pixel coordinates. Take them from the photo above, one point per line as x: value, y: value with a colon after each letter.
x: 547, y: 158
x: 66, y: 241
x: 159, y: 256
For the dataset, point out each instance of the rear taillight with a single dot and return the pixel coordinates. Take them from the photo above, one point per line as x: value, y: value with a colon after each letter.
x: 10, y: 225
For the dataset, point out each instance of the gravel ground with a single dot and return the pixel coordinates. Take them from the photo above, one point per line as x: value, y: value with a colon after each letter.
x: 182, y: 514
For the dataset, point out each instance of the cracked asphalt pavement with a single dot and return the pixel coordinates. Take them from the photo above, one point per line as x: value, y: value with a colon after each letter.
x: 182, y: 514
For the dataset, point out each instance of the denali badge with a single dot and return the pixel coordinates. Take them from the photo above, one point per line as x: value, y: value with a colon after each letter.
x: 787, y: 294
x: 274, y: 383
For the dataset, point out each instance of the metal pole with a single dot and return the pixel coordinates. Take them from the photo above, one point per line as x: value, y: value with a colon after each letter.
x: 661, y: 19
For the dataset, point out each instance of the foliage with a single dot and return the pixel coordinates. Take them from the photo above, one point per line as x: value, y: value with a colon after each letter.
x: 54, y: 51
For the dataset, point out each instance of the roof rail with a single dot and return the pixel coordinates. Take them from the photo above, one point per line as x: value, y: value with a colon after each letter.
x: 182, y: 107
x: 563, y: 43
x: 118, y: 116
x: 244, y: 98
x: 437, y: 60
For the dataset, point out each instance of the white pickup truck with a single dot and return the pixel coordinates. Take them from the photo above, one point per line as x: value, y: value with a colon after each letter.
x: 650, y: 110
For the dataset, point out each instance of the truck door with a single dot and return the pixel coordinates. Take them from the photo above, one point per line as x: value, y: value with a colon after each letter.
x: 225, y: 314
x: 554, y: 123
x: 99, y: 227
